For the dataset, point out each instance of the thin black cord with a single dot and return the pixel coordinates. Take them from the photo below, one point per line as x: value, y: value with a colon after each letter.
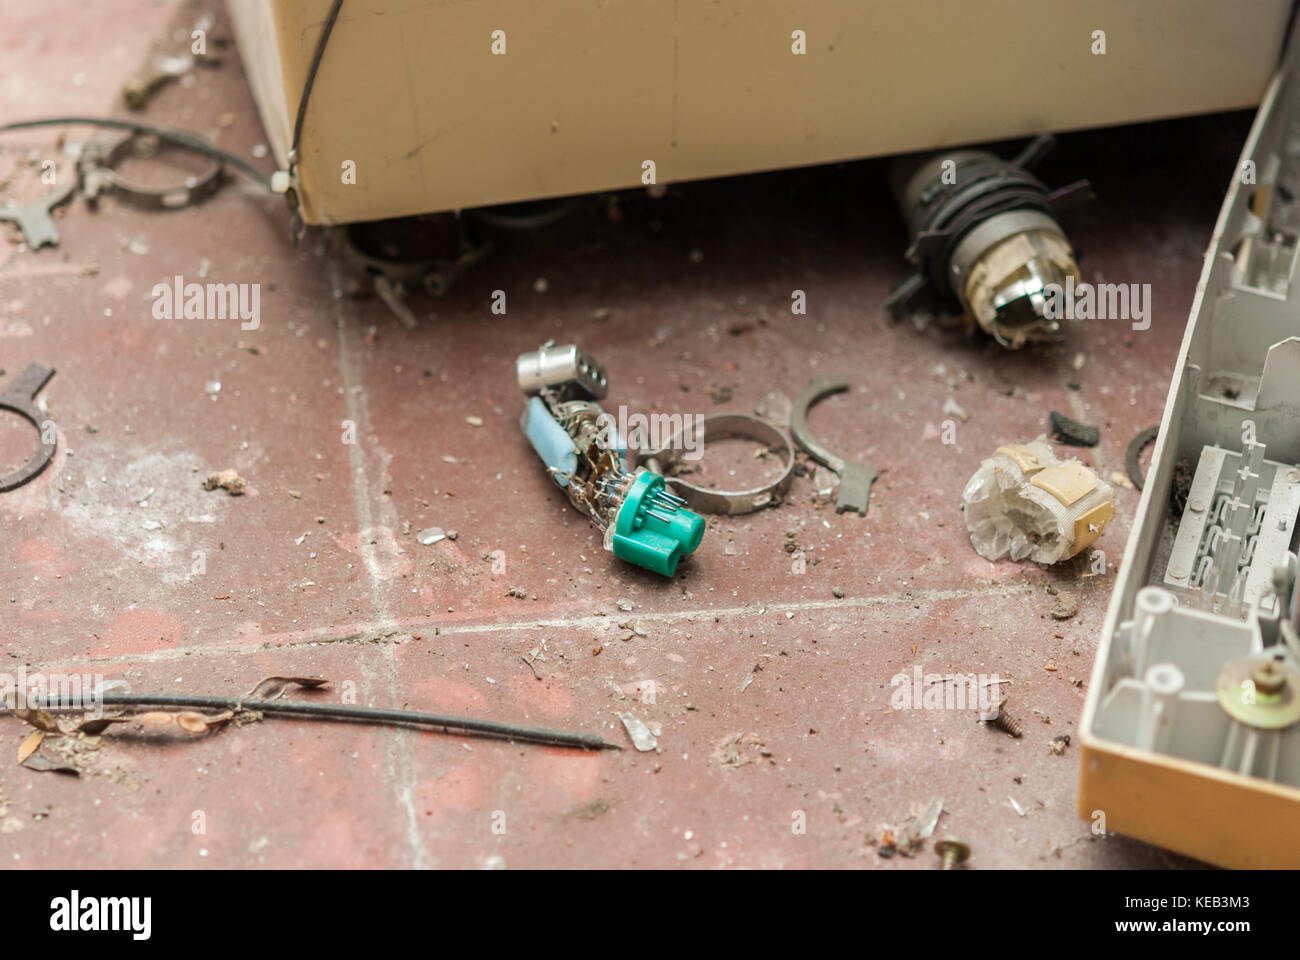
x: 330, y: 711
x: 182, y: 138
x: 311, y: 79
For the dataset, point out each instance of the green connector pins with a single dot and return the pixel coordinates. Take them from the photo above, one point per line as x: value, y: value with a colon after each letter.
x: 653, y: 528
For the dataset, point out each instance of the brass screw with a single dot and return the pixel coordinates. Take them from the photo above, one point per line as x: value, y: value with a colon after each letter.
x: 1002, y: 720
x: 951, y: 853
x: 1268, y: 678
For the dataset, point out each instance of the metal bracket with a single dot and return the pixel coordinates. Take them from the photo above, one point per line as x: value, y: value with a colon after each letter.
x: 855, y: 478
x: 35, y: 220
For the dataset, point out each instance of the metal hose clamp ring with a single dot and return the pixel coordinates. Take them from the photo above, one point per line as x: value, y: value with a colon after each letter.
x: 725, y: 426
x: 98, y: 174
x: 20, y: 399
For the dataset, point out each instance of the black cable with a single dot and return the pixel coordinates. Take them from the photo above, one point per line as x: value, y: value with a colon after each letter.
x: 311, y: 79
x: 330, y: 711
x: 182, y: 138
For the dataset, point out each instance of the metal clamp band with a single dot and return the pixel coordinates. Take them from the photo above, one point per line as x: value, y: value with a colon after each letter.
x: 855, y: 478
x: 96, y: 168
x: 20, y: 399
x: 726, y: 426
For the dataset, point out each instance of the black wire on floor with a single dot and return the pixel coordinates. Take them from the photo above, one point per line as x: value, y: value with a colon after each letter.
x: 181, y: 138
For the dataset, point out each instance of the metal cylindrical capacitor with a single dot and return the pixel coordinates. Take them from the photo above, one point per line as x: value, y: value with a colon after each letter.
x: 552, y: 366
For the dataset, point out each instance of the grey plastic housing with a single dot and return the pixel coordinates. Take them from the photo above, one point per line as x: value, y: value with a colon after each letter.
x: 1209, y: 579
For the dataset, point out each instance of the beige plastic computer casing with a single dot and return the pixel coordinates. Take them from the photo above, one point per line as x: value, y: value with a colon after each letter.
x: 588, y: 91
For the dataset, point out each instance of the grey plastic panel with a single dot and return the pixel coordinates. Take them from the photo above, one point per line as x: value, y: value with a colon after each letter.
x: 1208, y: 575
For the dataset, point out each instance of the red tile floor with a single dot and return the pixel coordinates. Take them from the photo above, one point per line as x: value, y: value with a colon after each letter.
x: 772, y: 691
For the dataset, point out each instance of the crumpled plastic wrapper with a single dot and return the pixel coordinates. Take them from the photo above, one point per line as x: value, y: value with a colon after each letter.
x: 1026, y: 503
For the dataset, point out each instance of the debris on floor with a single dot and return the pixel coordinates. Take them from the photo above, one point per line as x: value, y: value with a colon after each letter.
x: 885, y: 846
x: 227, y: 480
x: 166, y: 65
x: 1025, y: 502
x: 911, y: 836
x: 826, y: 481
x: 720, y: 394
x: 639, y: 733
x: 531, y: 658
x: 997, y: 716
x: 951, y: 408
x: 732, y: 752
x: 1072, y: 433
x: 1064, y: 606
x: 775, y: 406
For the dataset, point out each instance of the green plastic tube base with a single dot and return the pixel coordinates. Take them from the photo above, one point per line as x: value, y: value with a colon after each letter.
x: 651, y: 541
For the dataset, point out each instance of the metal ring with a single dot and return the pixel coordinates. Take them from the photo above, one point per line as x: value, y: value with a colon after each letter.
x: 19, y: 399
x: 726, y: 426
x: 100, y: 169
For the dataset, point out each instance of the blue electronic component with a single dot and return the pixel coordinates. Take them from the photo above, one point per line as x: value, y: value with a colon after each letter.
x: 550, y: 440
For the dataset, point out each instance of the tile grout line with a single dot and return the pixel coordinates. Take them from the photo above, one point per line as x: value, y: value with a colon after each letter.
x: 391, y: 628
x: 397, y: 750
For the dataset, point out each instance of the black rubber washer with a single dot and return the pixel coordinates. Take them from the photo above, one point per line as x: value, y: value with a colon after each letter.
x: 1135, y: 447
x: 1072, y: 433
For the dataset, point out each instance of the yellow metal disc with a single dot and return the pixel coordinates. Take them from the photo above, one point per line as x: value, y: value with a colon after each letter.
x: 1260, y: 692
